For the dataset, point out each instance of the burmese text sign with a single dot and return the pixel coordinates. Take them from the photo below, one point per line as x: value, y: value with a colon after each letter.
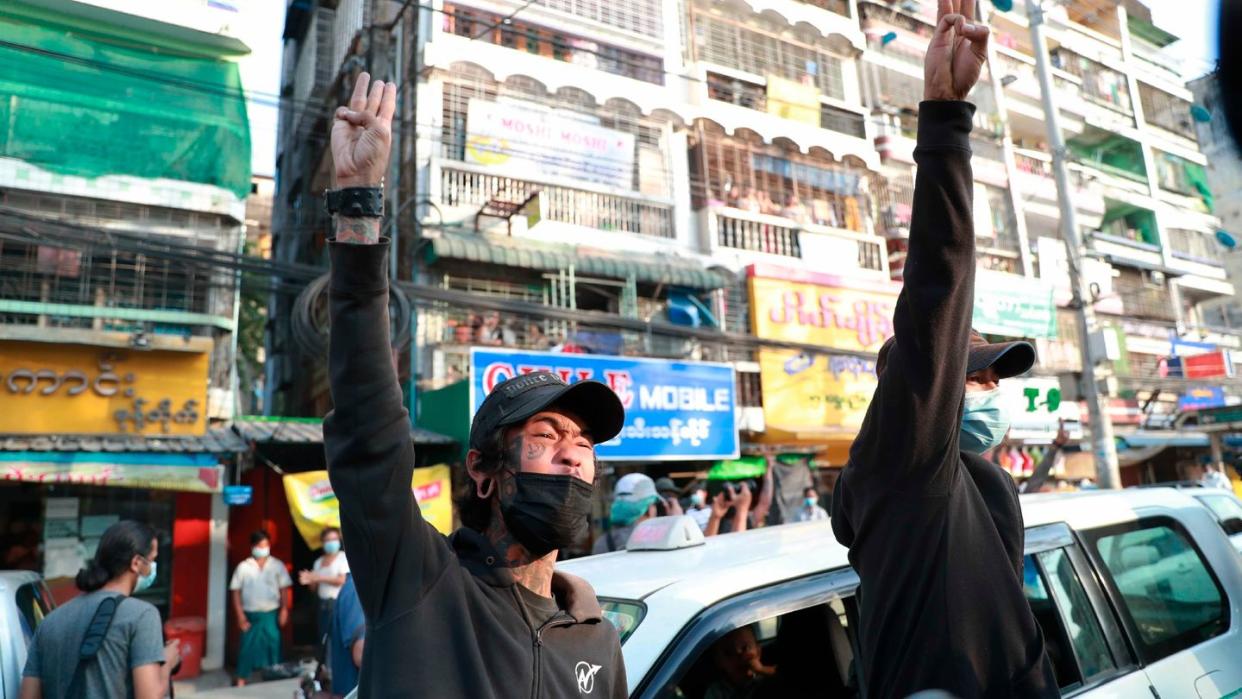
x: 673, y: 410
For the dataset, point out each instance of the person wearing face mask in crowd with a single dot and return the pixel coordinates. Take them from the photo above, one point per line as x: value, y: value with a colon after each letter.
x: 483, y: 613
x: 132, y: 659
x: 634, y: 500
x: 261, y: 600
x: 698, y: 507
x: 326, y: 577
x: 810, y: 510
x: 934, y: 530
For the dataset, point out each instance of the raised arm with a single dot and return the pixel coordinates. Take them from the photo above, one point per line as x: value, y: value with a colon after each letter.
x: 367, y: 434
x: 909, y: 439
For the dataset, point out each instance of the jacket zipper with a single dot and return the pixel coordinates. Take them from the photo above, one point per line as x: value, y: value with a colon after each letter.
x: 558, y: 620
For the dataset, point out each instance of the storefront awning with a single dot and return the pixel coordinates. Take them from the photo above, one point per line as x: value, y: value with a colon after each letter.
x: 218, y: 440
x: 196, y: 473
x: 1152, y: 438
x: 536, y: 255
x: 309, y: 431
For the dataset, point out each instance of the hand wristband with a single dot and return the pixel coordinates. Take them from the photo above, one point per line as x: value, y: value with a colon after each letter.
x: 355, y: 202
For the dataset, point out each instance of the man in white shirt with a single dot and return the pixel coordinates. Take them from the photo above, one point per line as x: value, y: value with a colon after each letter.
x: 810, y: 510
x: 327, y: 576
x: 261, y: 601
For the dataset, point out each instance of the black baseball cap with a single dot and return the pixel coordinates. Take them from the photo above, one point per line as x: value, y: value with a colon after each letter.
x: 1007, y: 358
x: 514, y: 400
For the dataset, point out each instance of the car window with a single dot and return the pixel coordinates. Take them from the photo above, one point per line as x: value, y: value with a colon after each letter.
x: 1056, y: 638
x: 779, y: 656
x: 626, y: 615
x: 1168, y: 594
x: 1082, y: 626
x: 1227, y: 509
x: 34, y: 603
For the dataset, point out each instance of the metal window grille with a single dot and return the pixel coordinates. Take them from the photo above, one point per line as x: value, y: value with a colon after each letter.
x: 520, y: 35
x: 757, y: 46
x: 643, y: 17
x: 1099, y: 83
x: 1194, y: 244
x: 729, y: 172
x: 1166, y: 111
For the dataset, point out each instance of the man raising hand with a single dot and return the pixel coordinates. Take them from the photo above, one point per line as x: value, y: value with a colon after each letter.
x: 934, y: 530
x: 481, y: 614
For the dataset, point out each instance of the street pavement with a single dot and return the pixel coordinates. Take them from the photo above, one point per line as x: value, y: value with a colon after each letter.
x: 216, y: 685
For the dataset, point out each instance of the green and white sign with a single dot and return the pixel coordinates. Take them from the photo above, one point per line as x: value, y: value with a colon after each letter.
x: 1014, y: 306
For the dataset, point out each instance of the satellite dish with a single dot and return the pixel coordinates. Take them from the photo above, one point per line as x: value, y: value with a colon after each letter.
x: 1227, y: 240
x: 1200, y: 114
x: 1003, y: 5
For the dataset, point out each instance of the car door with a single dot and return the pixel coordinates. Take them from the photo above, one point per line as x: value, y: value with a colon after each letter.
x: 1085, y: 644
x: 1228, y: 511
x: 1169, y: 596
x: 782, y: 609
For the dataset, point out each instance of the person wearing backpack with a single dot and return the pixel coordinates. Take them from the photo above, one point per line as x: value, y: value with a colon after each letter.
x: 103, y: 643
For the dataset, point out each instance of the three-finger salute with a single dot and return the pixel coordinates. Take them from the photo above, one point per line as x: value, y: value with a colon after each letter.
x: 362, y: 134
x: 956, y: 53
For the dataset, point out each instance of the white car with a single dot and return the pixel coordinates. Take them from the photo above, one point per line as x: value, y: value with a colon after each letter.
x: 24, y: 603
x: 1227, y: 509
x: 1139, y: 594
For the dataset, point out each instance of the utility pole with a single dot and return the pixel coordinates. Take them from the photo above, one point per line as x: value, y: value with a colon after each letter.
x: 1108, y: 472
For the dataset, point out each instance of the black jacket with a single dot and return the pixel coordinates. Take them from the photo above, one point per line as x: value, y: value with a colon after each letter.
x: 935, y: 533
x: 444, y: 620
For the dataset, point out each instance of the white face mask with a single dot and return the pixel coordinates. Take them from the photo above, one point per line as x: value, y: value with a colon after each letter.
x: 261, y: 552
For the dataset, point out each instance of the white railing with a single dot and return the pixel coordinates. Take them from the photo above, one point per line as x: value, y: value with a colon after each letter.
x: 468, y: 186
x: 774, y: 235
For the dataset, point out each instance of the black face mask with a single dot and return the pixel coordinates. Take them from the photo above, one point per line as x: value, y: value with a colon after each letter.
x: 547, y: 512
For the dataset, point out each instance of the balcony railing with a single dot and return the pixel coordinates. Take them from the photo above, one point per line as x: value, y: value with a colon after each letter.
x: 465, y: 186
x: 840, y: 7
x: 774, y: 235
x: 1195, y: 246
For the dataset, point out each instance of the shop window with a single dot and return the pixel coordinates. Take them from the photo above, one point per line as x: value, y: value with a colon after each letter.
x: 1168, y: 595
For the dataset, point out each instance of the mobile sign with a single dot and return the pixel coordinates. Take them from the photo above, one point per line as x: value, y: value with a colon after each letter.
x: 673, y: 410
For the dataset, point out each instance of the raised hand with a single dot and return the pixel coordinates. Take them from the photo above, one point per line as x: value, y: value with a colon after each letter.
x: 362, y: 134
x: 956, y: 53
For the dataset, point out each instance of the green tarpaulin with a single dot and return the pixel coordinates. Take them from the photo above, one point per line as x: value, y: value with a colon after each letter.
x: 88, y: 101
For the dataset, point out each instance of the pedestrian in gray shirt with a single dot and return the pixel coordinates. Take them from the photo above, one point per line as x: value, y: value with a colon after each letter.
x: 132, y: 660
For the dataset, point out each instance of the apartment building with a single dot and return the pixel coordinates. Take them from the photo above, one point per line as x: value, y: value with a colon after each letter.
x: 124, y: 170
x: 746, y: 166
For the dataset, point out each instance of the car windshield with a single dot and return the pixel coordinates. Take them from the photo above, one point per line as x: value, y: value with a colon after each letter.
x: 626, y: 615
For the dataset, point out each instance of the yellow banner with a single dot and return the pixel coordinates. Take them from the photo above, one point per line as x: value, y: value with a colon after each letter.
x: 804, y: 391
x: 78, y: 389
x: 825, y: 314
x: 793, y: 100
x: 314, y: 506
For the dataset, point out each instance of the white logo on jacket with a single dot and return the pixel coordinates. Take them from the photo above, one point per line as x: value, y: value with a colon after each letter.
x: 585, y: 672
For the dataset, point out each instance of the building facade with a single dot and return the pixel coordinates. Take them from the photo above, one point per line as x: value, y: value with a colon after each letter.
x: 730, y: 182
x: 117, y: 323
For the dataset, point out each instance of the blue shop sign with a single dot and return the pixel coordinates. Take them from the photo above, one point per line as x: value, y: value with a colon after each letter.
x: 238, y: 494
x: 673, y: 410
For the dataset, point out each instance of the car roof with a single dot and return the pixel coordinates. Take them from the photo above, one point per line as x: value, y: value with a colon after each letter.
x: 730, y: 564
x: 725, y: 565
x: 10, y: 579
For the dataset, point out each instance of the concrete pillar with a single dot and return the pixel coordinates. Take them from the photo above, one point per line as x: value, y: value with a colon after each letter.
x: 1216, y: 442
x: 679, y: 175
x: 217, y: 575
